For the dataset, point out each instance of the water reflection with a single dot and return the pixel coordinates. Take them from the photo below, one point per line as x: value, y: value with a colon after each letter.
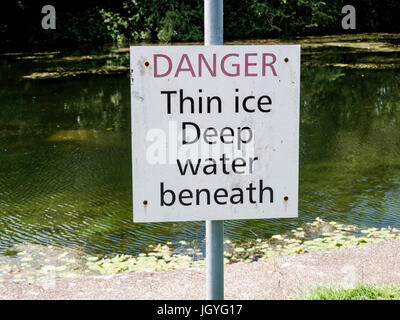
x: 65, y: 158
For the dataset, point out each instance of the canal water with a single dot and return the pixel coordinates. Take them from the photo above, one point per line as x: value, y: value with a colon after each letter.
x: 65, y: 151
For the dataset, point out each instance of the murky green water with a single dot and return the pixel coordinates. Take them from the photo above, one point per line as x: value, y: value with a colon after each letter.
x: 65, y: 152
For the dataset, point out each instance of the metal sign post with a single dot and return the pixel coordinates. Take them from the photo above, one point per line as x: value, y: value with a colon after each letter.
x: 214, y: 35
x: 215, y: 135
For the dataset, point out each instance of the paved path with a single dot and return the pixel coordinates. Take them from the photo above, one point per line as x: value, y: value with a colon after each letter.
x: 277, y: 278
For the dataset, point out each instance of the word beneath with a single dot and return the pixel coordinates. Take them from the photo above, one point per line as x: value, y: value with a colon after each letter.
x: 221, y: 196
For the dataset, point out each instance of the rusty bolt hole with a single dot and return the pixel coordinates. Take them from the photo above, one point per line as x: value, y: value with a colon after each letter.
x: 286, y: 198
x: 286, y: 60
x: 145, y: 202
x: 146, y: 64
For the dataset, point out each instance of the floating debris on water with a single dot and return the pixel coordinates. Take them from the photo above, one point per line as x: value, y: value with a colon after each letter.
x: 31, y: 263
x: 314, y: 236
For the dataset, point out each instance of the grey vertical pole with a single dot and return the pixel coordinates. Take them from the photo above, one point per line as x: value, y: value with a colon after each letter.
x: 214, y: 35
x: 215, y: 259
x: 213, y: 22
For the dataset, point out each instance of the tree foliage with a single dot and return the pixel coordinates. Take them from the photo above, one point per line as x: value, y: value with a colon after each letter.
x: 104, y: 21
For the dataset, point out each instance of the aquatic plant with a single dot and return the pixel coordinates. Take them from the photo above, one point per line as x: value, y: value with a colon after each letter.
x: 30, y: 263
x: 315, y: 236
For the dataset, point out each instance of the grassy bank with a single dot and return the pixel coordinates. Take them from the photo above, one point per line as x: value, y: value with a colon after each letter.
x: 360, y: 292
